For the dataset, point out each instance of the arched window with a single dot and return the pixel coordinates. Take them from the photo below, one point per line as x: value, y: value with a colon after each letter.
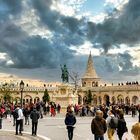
x: 127, y: 100
x: 94, y: 99
x: 113, y: 100
x: 106, y: 100
x: 120, y: 99
x: 135, y: 100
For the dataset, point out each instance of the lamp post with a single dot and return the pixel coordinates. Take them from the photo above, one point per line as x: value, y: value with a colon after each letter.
x: 21, y: 89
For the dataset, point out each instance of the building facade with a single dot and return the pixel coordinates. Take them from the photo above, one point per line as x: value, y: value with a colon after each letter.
x: 66, y: 94
x: 128, y: 93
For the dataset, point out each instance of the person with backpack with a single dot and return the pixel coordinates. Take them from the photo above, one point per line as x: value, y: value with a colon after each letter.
x: 98, y: 126
x: 112, y: 123
x: 70, y: 121
x: 122, y: 128
x: 19, y: 120
x: 34, y: 117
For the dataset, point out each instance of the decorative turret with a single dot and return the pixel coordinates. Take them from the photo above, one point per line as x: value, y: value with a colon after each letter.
x: 90, y: 79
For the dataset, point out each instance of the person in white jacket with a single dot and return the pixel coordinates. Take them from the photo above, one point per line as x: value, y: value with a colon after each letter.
x: 19, y: 120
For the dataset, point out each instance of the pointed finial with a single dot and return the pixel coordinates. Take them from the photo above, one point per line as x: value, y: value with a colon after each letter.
x: 90, y: 71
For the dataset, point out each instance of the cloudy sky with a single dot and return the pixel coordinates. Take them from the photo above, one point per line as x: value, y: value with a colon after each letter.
x: 37, y: 36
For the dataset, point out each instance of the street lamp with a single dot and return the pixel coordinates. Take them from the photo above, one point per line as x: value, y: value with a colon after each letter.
x: 21, y: 89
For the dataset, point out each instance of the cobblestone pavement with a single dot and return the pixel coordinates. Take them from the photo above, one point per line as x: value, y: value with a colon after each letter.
x: 53, y: 128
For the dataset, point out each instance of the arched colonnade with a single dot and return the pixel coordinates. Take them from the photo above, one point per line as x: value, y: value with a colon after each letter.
x: 106, y: 99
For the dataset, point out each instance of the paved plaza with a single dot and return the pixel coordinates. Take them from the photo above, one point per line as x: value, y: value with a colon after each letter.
x: 53, y: 128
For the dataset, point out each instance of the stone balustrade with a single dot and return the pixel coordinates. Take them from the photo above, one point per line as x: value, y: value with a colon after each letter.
x: 113, y: 88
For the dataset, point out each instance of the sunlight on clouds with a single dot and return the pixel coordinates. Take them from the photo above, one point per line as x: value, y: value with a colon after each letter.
x: 120, y: 68
x: 9, y: 62
x: 2, y: 55
x: 116, y: 3
x: 63, y: 9
x: 122, y: 49
x: 97, y: 18
x: 133, y: 51
x: 85, y: 49
x: 75, y: 4
x: 29, y: 23
x: 67, y: 7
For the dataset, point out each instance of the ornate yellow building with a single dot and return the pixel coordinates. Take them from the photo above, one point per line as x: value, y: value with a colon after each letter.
x: 66, y: 94
x: 127, y: 94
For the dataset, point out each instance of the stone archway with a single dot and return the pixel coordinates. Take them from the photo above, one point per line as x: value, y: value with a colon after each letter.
x: 84, y: 100
x: 120, y: 99
x: 36, y: 99
x: 100, y: 100
x: 27, y: 99
x: 94, y: 99
x: 113, y: 100
x: 106, y: 100
x: 135, y: 100
x: 127, y: 100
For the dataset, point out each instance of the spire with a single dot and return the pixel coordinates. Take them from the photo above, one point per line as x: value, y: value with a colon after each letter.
x: 90, y: 71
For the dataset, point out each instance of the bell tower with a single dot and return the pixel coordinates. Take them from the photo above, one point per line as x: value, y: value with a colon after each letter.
x: 90, y: 79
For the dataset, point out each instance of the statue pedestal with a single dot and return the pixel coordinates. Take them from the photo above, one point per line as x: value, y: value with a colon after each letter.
x: 65, y: 96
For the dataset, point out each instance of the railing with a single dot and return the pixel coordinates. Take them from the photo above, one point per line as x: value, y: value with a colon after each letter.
x: 113, y: 88
x: 34, y: 89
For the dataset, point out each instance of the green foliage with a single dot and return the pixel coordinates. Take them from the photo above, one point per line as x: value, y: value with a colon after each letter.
x: 6, y: 93
x: 46, y: 97
x: 89, y: 97
x: 7, y: 97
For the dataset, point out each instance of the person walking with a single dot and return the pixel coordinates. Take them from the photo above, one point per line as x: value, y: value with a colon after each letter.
x: 19, y: 120
x: 53, y: 111
x: 70, y: 121
x: 122, y: 128
x: 34, y: 117
x: 139, y: 113
x: 111, y: 124
x: 1, y: 116
x: 26, y: 113
x: 98, y: 126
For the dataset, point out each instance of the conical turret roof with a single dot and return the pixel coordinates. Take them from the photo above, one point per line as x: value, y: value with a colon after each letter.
x: 90, y: 71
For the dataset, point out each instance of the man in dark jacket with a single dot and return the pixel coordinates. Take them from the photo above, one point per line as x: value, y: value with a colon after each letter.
x: 70, y: 121
x: 98, y: 126
x: 34, y: 116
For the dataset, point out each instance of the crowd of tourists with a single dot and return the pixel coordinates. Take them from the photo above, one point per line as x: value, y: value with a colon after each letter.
x: 22, y: 115
x: 106, y: 119
x: 88, y: 110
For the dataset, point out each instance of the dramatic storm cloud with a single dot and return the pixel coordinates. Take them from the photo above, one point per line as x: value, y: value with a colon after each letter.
x: 124, y: 28
x: 37, y: 34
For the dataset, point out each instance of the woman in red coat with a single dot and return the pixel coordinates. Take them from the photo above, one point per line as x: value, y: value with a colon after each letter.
x: 52, y: 111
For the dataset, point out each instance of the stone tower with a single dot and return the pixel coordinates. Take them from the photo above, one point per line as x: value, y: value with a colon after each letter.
x: 90, y: 79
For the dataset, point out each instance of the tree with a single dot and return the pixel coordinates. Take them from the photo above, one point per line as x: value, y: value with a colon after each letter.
x: 75, y: 78
x: 6, y: 92
x: 89, y: 97
x: 46, y: 97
